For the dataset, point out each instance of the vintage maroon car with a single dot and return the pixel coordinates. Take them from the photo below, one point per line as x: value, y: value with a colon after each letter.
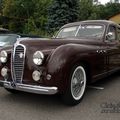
x: 80, y: 54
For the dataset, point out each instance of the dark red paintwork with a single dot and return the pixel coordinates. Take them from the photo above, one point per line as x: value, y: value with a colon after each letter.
x: 99, y: 56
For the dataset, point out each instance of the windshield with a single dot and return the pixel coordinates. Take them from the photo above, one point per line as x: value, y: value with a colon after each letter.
x: 7, y: 39
x: 67, y: 32
x: 83, y: 31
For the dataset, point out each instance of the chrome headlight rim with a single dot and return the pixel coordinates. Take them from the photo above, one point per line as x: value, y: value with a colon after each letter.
x: 38, y: 58
x: 3, y: 56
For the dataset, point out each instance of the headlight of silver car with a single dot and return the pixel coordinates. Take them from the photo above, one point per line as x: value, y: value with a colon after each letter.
x: 38, y: 57
x: 3, y: 56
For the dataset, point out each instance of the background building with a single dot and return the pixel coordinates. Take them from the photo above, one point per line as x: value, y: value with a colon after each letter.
x: 115, y: 18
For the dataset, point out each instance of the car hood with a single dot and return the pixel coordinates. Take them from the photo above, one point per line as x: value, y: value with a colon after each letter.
x: 51, y: 44
x: 48, y: 46
x: 6, y: 48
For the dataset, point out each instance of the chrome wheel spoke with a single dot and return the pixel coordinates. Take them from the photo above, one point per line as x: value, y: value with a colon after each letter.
x: 78, y: 82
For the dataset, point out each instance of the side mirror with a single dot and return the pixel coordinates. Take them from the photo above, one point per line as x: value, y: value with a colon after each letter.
x: 110, y: 36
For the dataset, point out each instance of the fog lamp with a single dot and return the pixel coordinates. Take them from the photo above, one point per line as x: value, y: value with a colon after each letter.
x: 36, y: 75
x: 4, y: 72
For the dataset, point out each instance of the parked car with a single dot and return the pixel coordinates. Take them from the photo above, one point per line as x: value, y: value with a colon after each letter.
x: 3, y: 30
x: 80, y: 54
x: 8, y: 39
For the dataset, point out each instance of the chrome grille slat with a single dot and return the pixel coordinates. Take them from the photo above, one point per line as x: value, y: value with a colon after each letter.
x: 18, y: 63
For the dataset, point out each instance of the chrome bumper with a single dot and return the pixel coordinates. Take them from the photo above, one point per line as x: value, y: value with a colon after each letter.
x: 30, y: 88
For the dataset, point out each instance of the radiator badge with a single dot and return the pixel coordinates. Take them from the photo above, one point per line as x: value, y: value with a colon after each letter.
x: 21, y: 55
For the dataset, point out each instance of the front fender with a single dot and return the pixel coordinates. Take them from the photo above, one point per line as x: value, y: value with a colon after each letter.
x: 62, y: 60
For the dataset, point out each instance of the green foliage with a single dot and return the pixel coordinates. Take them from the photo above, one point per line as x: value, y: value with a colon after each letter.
x: 61, y: 12
x: 45, y: 17
x: 18, y: 8
x: 111, y: 9
x: 26, y: 16
x: 86, y: 8
x: 98, y: 12
x: 40, y: 16
x: 18, y: 12
x: 91, y: 11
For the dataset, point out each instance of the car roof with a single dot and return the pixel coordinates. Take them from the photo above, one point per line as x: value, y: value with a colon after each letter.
x: 4, y: 31
x: 105, y: 22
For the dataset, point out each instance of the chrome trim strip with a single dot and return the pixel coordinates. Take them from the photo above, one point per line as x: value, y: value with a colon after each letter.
x: 12, y: 64
x: 12, y: 60
x: 77, y: 30
x: 32, y: 88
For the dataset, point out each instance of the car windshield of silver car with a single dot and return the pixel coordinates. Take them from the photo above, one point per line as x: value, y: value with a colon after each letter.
x: 7, y: 39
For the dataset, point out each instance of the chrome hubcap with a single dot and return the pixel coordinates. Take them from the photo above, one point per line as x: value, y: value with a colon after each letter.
x: 78, y: 83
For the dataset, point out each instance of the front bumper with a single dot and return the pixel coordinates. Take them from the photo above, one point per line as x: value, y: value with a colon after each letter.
x: 29, y: 88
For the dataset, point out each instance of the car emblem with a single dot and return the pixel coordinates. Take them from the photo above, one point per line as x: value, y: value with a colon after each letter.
x: 21, y: 55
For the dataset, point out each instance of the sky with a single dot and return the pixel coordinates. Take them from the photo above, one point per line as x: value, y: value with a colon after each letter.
x: 104, y: 1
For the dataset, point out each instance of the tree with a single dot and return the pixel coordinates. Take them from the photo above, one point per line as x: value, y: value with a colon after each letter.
x: 88, y: 10
x: 38, y: 21
x: 1, y: 6
x: 18, y: 8
x: 18, y: 12
x: 61, y: 12
x: 86, y: 7
x: 47, y: 16
x: 26, y: 16
x: 98, y: 12
x: 111, y: 9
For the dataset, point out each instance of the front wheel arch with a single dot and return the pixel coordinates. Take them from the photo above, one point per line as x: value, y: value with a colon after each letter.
x: 70, y: 97
x: 88, y: 70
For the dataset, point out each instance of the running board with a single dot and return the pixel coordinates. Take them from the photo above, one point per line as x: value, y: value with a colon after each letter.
x: 96, y: 87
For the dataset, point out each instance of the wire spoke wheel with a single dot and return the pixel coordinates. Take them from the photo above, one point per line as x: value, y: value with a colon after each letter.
x: 78, y: 83
x: 76, y: 86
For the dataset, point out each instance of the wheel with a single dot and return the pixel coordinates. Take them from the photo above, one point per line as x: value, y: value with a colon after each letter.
x: 77, y: 86
x: 11, y: 90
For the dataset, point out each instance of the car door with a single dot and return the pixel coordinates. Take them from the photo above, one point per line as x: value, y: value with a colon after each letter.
x: 113, y: 48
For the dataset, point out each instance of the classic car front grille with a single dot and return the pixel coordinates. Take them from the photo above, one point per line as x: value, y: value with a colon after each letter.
x: 18, y: 63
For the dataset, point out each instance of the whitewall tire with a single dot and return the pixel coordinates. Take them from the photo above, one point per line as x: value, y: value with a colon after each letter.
x: 77, y: 86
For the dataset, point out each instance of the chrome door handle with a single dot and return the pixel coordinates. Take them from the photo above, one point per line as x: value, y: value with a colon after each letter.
x: 101, y: 51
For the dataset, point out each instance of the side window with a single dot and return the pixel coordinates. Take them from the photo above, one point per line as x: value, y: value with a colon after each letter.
x: 111, y: 34
x: 118, y: 34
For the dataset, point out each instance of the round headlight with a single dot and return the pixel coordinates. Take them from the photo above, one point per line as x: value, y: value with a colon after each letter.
x: 4, y: 72
x: 38, y: 57
x: 36, y: 75
x: 3, y: 56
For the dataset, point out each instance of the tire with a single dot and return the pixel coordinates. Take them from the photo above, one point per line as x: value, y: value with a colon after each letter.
x: 76, y: 86
x: 11, y: 91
